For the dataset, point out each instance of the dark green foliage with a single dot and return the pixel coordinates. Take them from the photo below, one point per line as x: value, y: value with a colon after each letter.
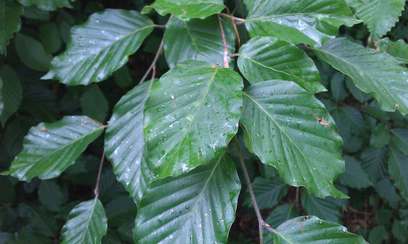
x: 154, y: 121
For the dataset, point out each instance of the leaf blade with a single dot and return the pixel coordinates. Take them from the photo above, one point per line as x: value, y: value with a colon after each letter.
x: 186, y: 10
x: 86, y: 224
x: 294, y: 139
x: 369, y: 70
x: 100, y: 46
x: 50, y: 148
x: 191, y: 115
x: 198, y: 206
x: 267, y: 58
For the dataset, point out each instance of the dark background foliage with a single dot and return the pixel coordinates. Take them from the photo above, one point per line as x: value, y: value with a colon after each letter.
x: 35, y: 212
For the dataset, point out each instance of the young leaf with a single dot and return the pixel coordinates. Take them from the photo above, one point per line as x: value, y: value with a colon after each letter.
x: 11, y: 93
x: 267, y: 58
x: 192, y: 113
x: 307, y: 21
x: 187, y: 9
x: 197, y: 40
x: 310, y: 229
x: 373, y: 72
x: 10, y: 21
x: 197, y: 207
x: 289, y: 129
x: 124, y: 141
x: 50, y: 148
x: 379, y: 15
x: 100, y: 46
x: 47, y: 5
x: 86, y: 224
x: 398, y: 168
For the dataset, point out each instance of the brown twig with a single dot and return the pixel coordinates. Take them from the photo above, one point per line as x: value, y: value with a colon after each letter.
x: 261, y: 222
x: 98, y: 177
x: 238, y: 20
x: 224, y: 42
x: 234, y: 27
x: 153, y: 64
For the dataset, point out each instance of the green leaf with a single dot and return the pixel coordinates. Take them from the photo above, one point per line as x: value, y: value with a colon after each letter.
x: 289, y: 129
x: 32, y: 53
x: 380, y: 136
x: 92, y: 96
x: 387, y: 191
x: 355, y: 176
x: 50, y: 37
x: 351, y: 125
x: 10, y: 21
x: 379, y: 15
x: 267, y: 58
x: 197, y: 40
x: 50, y: 148
x: 47, y: 5
x: 124, y: 141
x: 198, y: 207
x: 11, y: 93
x: 310, y: 229
x: 100, y: 46
x: 86, y: 224
x: 400, y: 140
x: 376, y: 73
x: 398, y: 49
x: 1, y: 97
x: 307, y: 21
x: 328, y: 209
x: 268, y: 192
x: 398, y: 168
x: 187, y: 9
x: 191, y: 115
x: 373, y: 162
x: 281, y: 214
x: 51, y: 195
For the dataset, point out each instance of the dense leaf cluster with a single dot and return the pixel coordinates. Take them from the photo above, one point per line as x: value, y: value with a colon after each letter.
x: 178, y: 121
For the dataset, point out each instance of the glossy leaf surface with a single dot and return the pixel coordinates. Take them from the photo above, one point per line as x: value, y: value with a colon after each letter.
x: 312, y: 230
x: 198, y: 207
x: 307, y: 21
x: 191, y: 115
x: 124, y: 141
x: 289, y: 129
x: 376, y: 73
x: 187, y: 9
x: 379, y: 15
x: 86, y: 224
x: 100, y: 46
x: 197, y: 40
x: 50, y: 148
x: 267, y: 58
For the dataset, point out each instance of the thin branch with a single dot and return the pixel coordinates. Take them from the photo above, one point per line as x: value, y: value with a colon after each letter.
x: 153, y: 64
x: 234, y: 27
x: 224, y: 42
x: 238, y: 20
x: 98, y: 177
x: 261, y: 222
